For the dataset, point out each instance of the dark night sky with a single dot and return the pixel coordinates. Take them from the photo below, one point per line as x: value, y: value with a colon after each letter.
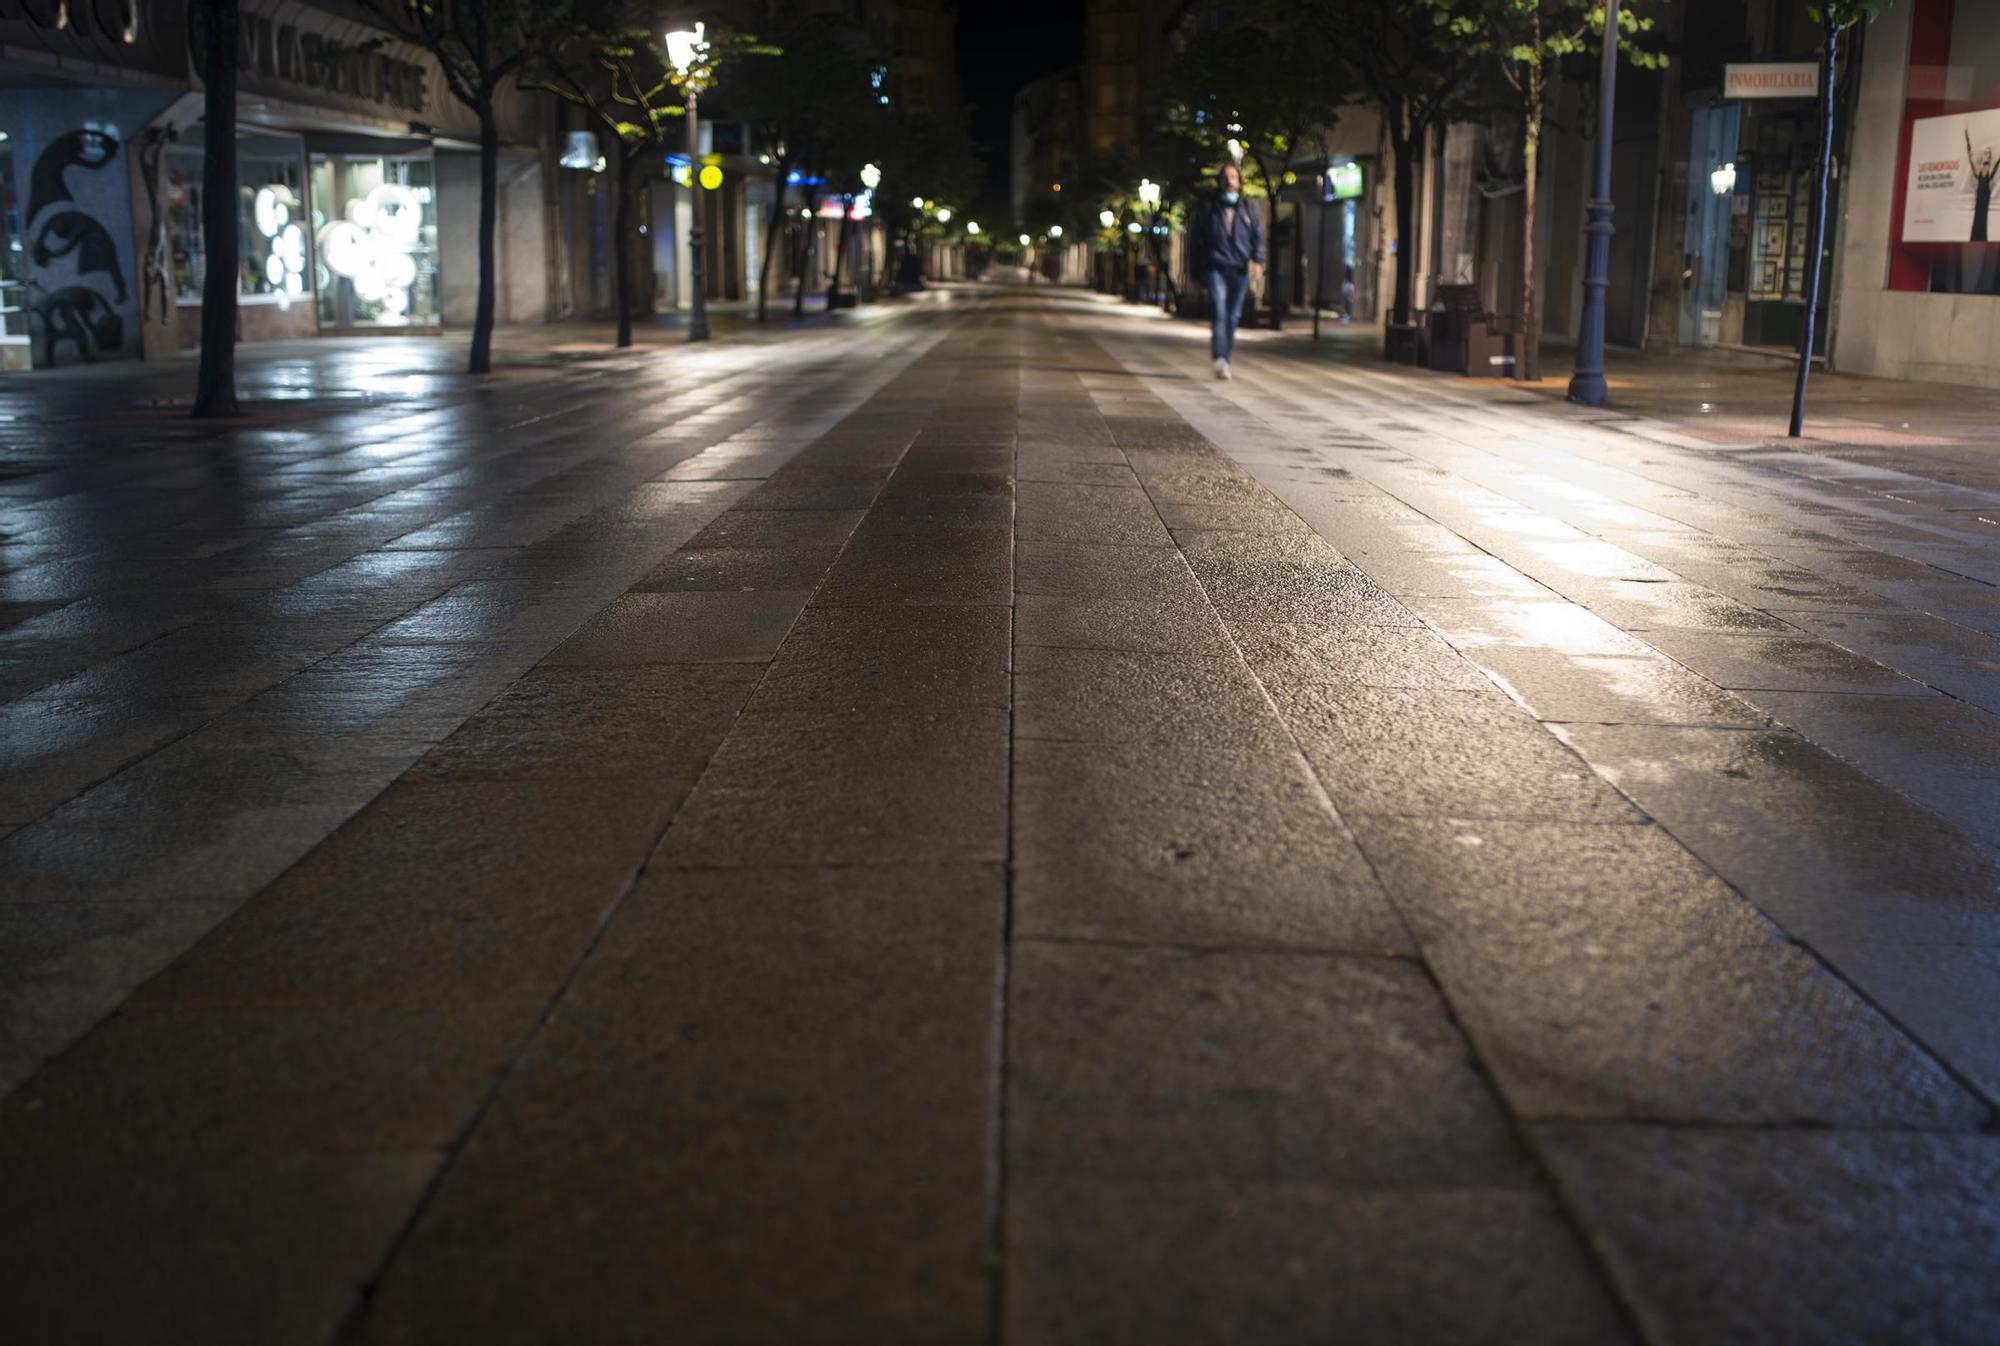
x: 1003, y: 44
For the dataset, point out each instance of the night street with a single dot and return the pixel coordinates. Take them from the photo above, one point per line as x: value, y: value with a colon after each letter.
x: 952, y: 825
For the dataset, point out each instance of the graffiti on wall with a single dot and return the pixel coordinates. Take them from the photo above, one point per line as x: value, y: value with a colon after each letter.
x: 77, y: 313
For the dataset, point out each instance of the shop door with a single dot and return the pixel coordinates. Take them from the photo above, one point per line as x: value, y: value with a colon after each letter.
x: 1711, y: 187
x: 375, y: 219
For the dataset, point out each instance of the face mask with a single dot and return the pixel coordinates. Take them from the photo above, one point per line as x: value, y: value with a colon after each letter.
x: 1229, y: 198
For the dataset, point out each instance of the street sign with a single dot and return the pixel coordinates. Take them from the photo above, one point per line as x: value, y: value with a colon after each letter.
x: 1781, y: 79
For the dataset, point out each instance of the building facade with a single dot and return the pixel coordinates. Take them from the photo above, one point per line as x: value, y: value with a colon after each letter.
x: 1918, y: 274
x: 357, y: 169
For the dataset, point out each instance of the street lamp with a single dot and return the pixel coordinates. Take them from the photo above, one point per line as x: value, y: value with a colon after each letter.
x: 973, y: 228
x: 1024, y: 240
x: 684, y: 48
x: 1149, y: 192
x: 1587, y: 384
x: 944, y: 214
x: 1055, y: 231
x: 871, y: 176
x: 1722, y: 181
x: 1106, y: 218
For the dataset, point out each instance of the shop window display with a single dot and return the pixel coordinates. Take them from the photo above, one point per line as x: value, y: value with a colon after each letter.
x: 273, y: 252
x: 1947, y: 235
x: 13, y: 286
x: 375, y: 223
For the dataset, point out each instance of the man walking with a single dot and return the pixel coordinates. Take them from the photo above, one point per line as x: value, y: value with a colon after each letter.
x: 1226, y: 248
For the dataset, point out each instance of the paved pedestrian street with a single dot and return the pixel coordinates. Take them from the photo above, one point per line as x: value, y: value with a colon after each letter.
x: 951, y: 825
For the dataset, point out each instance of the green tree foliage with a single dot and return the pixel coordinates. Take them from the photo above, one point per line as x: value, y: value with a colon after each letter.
x: 808, y: 82
x: 613, y: 64
x: 480, y: 45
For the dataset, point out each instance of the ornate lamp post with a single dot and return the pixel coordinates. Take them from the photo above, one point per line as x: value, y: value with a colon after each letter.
x: 1587, y: 384
x: 685, y: 47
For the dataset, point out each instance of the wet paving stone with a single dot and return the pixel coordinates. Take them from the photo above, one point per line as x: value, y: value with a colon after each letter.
x: 939, y: 826
x: 763, y: 1078
x: 1136, y: 1063
x: 693, y: 627
x: 1781, y: 1236
x: 1285, y: 1261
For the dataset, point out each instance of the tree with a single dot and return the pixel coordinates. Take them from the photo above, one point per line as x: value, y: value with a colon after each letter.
x: 612, y: 67
x: 813, y: 74
x: 480, y: 45
x: 1265, y: 88
x: 1834, y: 17
x: 218, y: 26
x: 1529, y: 39
x: 1405, y: 59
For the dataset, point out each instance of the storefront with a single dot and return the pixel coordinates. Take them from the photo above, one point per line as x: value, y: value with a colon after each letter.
x: 1751, y: 159
x: 1920, y: 258
x: 356, y: 168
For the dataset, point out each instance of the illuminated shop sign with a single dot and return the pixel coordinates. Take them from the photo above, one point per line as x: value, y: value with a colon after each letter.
x: 1771, y: 79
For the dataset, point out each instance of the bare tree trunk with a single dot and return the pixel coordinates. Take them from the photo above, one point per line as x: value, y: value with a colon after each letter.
x: 1531, y: 151
x: 771, y: 236
x: 805, y: 260
x: 215, y: 382
x: 621, y: 242
x: 839, y: 254
x: 1403, y: 141
x: 489, y: 210
x: 1816, y: 260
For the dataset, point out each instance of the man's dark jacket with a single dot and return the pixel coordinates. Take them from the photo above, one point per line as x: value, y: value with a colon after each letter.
x: 1211, y: 247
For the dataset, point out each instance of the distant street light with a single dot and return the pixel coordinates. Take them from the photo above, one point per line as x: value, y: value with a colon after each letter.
x: 871, y: 176
x: 973, y: 228
x: 1106, y: 218
x: 684, y: 48
x: 1722, y: 181
x: 1024, y: 240
x: 1149, y: 192
x: 1132, y: 228
x: 1055, y: 231
x: 944, y: 215
x: 916, y: 203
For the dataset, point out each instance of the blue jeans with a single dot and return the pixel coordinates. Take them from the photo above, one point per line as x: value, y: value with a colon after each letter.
x: 1225, y: 306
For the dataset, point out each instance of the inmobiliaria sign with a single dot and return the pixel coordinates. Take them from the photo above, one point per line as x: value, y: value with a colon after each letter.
x: 1769, y: 79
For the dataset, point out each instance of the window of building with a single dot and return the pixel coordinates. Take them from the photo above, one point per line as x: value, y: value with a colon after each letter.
x: 1946, y: 223
x: 375, y: 222
x: 272, y: 249
x: 13, y: 288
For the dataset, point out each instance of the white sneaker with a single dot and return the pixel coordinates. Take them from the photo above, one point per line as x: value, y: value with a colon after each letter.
x: 1222, y: 369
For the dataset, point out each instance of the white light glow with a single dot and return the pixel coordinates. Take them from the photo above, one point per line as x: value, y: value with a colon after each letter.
x: 973, y: 228
x: 944, y: 214
x: 1149, y: 191
x: 684, y: 46
x: 871, y: 176
x: 1106, y: 218
x: 1722, y: 181
x: 1132, y: 228
x: 1055, y: 231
